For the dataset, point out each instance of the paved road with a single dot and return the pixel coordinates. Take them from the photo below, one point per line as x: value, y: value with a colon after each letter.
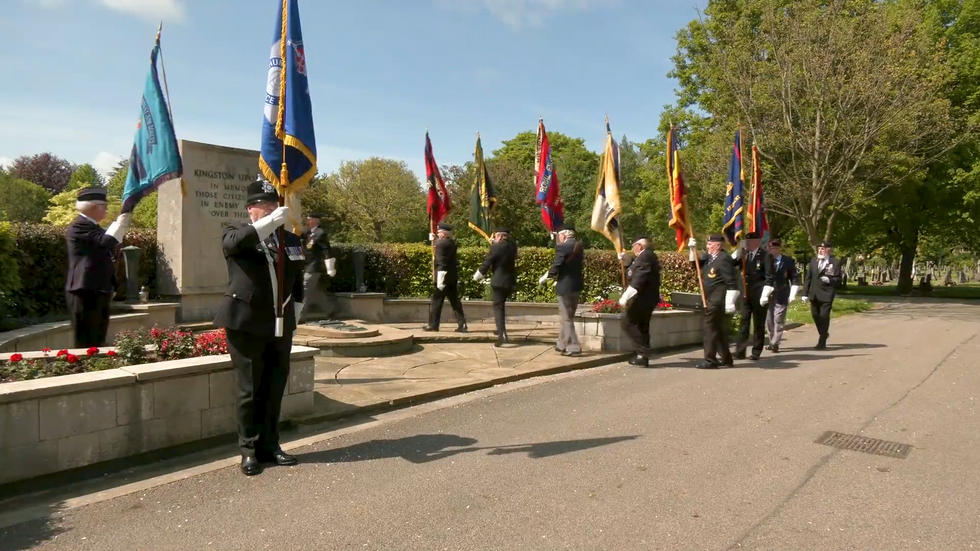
x: 618, y: 458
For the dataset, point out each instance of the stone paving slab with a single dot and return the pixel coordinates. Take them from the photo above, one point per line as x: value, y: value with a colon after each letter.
x: 482, y: 331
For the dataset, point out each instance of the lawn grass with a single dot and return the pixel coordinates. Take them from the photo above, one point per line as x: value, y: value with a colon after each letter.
x: 968, y: 291
x: 800, y: 313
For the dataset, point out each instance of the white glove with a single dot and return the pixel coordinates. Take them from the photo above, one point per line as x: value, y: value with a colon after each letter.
x: 730, y: 297
x: 432, y: 237
x: 627, y: 295
x: 766, y: 291
x: 331, y: 266
x: 825, y: 279
x: 543, y: 279
x: 792, y: 292
x: 804, y: 299
x: 621, y: 255
x: 266, y: 225
x: 440, y: 280
x: 298, y: 308
x: 692, y: 243
x: 552, y: 236
x: 691, y: 254
x: 478, y: 276
x: 737, y: 252
x: 118, y: 228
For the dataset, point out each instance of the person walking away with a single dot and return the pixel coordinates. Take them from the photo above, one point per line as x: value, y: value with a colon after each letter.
x: 640, y: 298
x: 447, y: 280
x: 567, y: 271
x: 718, y: 275
x: 500, y: 261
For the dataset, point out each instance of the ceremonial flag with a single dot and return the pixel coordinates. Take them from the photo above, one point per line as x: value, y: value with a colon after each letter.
x: 679, y: 215
x: 439, y: 205
x: 482, y: 197
x: 605, y: 212
x: 155, y: 158
x: 758, y: 218
x: 288, y: 154
x: 547, y: 192
x: 733, y: 223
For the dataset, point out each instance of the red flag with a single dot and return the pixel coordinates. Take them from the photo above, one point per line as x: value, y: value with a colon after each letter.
x: 546, y: 190
x: 758, y: 218
x: 438, y: 196
x: 679, y: 216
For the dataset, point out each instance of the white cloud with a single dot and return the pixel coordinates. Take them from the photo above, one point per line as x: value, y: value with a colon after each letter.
x: 520, y: 13
x: 154, y: 10
x: 5, y: 162
x: 105, y: 162
x: 48, y: 4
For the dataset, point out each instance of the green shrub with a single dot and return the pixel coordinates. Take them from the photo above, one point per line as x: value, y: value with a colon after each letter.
x: 10, y: 283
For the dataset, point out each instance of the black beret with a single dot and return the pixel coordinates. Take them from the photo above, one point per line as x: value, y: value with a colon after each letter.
x: 826, y: 244
x: 261, y: 190
x: 566, y: 227
x: 93, y: 194
x: 715, y: 238
x: 316, y: 215
x: 501, y: 230
x: 753, y: 235
x: 445, y: 227
x: 775, y: 243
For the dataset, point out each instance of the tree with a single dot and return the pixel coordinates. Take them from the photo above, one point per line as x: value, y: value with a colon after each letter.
x: 318, y: 198
x: 116, y: 182
x: 46, y: 170
x: 21, y: 201
x: 85, y: 176
x: 382, y: 201
x: 145, y: 213
x: 836, y: 94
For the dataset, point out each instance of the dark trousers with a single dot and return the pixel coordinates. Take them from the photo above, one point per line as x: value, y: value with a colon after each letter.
x: 821, y: 317
x: 438, y: 298
x: 262, y: 371
x: 89, y: 317
x: 636, y: 325
x: 500, y: 296
x: 716, y: 334
x: 751, y: 314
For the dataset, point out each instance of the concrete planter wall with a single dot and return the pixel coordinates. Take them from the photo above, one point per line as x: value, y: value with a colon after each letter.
x: 60, y: 423
x: 58, y: 335
x: 668, y: 328
x: 377, y: 308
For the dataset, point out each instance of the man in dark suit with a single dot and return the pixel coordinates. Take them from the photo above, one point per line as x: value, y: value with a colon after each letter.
x: 500, y: 261
x: 640, y: 298
x: 91, y: 280
x: 820, y: 288
x: 447, y: 280
x: 718, y: 275
x: 756, y: 265
x: 566, y: 270
x: 258, y: 342
x: 786, y: 280
x: 319, y: 260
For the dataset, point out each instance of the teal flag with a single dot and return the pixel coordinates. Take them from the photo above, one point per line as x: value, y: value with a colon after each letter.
x: 155, y: 158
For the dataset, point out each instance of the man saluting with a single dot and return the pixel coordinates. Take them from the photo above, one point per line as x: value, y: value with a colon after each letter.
x: 718, y: 275
x: 248, y: 314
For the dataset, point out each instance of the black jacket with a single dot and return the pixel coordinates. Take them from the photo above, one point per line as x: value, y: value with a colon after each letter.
x: 567, y: 267
x: 500, y: 261
x: 758, y: 273
x: 91, y: 256
x: 784, y: 276
x: 718, y: 276
x: 446, y: 261
x: 644, y: 276
x: 814, y: 288
x: 248, y: 303
x: 317, y: 249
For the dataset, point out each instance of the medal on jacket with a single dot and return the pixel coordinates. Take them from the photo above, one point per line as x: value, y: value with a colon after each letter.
x: 711, y: 273
x: 309, y: 242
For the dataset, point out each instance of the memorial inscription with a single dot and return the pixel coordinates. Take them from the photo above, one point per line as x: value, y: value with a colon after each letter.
x: 224, y: 197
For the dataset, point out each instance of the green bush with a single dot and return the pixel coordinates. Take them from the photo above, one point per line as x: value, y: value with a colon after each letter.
x: 10, y: 283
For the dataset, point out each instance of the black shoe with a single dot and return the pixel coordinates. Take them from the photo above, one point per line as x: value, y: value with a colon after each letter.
x: 775, y: 349
x: 640, y: 361
x: 501, y: 340
x: 754, y: 357
x: 768, y: 347
x: 705, y: 364
x: 461, y: 328
x: 727, y: 364
x: 821, y: 345
x: 559, y: 350
x: 429, y: 328
x: 278, y: 457
x: 250, y: 465
x: 571, y: 354
x: 739, y: 354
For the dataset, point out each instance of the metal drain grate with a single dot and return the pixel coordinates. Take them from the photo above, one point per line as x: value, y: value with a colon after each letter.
x: 866, y: 445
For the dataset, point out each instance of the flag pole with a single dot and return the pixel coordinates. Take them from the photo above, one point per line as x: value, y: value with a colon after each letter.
x: 166, y: 91
x: 432, y: 225
x: 283, y: 178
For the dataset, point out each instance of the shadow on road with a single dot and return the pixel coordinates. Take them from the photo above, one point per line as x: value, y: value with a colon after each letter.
x: 424, y: 448
x: 45, y: 527
x: 783, y: 360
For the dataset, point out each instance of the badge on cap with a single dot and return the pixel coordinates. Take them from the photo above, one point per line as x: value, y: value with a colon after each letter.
x: 267, y: 188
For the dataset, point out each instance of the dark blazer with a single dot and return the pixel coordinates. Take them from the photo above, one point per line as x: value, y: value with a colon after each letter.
x: 446, y: 261
x: 815, y: 289
x: 718, y: 276
x: 248, y: 304
x: 317, y: 249
x: 644, y: 276
x: 566, y: 270
x: 784, y: 276
x: 91, y: 264
x: 758, y: 273
x: 500, y: 261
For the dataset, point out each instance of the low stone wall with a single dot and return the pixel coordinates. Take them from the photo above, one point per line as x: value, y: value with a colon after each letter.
x: 60, y: 423
x: 58, y: 335
x: 377, y: 308
x: 668, y: 328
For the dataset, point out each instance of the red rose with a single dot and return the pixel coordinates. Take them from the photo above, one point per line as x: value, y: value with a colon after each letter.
x: 71, y: 358
x: 46, y: 350
x: 92, y: 351
x: 62, y: 352
x: 16, y: 357
x: 111, y: 353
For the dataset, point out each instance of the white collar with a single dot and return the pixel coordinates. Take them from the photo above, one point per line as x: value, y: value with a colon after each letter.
x: 89, y: 218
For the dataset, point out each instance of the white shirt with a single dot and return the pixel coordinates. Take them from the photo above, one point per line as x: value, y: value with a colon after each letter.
x: 89, y: 218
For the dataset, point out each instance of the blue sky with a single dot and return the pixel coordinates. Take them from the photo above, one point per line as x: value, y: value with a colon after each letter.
x: 381, y: 72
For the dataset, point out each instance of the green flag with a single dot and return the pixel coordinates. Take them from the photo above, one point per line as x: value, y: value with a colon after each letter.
x: 482, y: 198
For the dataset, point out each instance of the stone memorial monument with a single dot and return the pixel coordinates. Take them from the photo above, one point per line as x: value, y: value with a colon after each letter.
x: 191, y: 269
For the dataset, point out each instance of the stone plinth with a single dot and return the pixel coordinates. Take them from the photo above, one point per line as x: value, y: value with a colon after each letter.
x: 60, y: 423
x: 668, y: 328
x: 191, y: 268
x: 336, y: 331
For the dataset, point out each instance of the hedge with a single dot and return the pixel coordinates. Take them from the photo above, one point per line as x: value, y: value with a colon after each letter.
x: 398, y: 270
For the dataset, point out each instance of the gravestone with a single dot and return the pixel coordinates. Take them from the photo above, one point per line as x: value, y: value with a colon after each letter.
x: 191, y: 268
